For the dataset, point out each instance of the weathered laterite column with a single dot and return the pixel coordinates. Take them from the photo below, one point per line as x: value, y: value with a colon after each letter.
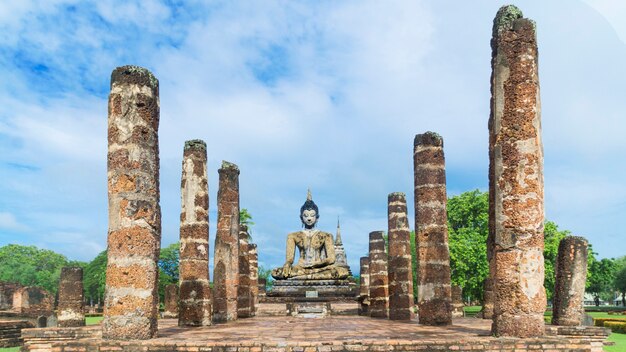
x: 399, y: 267
x: 254, y: 278
x: 431, y: 235
x: 571, y: 276
x: 226, y: 261
x: 516, y: 164
x: 71, y: 302
x: 195, y: 292
x: 379, y: 281
x: 457, y: 302
x: 244, y: 295
x: 171, y: 301
x: 364, y: 286
x: 134, y: 238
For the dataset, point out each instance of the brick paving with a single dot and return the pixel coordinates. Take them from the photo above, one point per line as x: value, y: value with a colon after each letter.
x: 295, y: 334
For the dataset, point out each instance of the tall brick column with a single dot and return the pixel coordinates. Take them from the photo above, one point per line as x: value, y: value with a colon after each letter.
x: 571, y: 276
x: 379, y: 281
x: 254, y: 278
x: 364, y: 286
x: 431, y: 235
x: 516, y: 159
x: 399, y: 267
x: 195, y: 292
x: 134, y: 238
x: 244, y: 295
x: 71, y: 302
x: 171, y: 301
x: 226, y: 261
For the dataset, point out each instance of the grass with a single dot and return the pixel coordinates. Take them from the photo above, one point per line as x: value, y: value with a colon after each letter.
x: 620, y: 343
x: 10, y: 349
x: 93, y: 320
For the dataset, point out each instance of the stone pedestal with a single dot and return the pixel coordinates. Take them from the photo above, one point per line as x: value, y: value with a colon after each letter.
x: 319, y: 288
x: 71, y: 303
x: 571, y: 276
x: 516, y: 178
x: 134, y: 238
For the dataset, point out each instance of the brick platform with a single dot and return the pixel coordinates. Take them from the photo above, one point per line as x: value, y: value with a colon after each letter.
x: 337, y: 333
x: 10, y: 332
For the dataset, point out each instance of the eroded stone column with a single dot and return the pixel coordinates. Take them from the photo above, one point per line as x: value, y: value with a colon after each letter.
x: 457, y: 302
x: 254, y: 278
x: 195, y: 292
x: 134, y: 237
x: 516, y: 158
x: 379, y: 281
x: 431, y: 235
x: 399, y: 265
x: 571, y: 276
x: 364, y: 286
x: 171, y: 301
x: 244, y: 295
x: 71, y: 303
x: 226, y: 261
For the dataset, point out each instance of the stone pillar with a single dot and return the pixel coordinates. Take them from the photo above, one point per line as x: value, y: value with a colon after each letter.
x: 262, y: 287
x: 571, y: 276
x: 71, y: 303
x: 431, y: 235
x: 379, y: 281
x: 195, y: 292
x: 244, y: 295
x: 134, y: 238
x: 364, y: 287
x: 226, y: 261
x: 516, y: 159
x: 254, y: 278
x: 457, y: 302
x: 171, y: 301
x: 400, y: 271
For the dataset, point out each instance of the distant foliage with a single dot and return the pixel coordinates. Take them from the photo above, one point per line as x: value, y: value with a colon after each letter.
x: 94, y: 276
x: 31, y: 266
x: 168, y: 267
x: 602, y: 279
x: 552, y: 236
x: 468, y: 226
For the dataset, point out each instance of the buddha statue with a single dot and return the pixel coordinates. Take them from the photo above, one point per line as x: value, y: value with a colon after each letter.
x: 317, y: 251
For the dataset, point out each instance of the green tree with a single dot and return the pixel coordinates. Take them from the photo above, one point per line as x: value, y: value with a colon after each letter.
x: 94, y: 275
x: 602, y: 279
x: 468, y: 225
x: 31, y: 266
x: 620, y: 279
x: 246, y: 219
x: 552, y: 237
x: 168, y: 267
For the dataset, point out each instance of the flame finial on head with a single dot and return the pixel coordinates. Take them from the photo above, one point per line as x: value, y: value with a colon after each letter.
x: 308, y: 195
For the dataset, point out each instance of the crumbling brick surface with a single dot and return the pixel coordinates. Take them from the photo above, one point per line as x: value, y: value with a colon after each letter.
x: 431, y: 235
x: 71, y: 302
x: 569, y: 288
x: 171, y: 301
x: 134, y: 237
x: 244, y: 294
x: 379, y: 280
x: 195, y: 292
x: 226, y: 261
x: 516, y: 178
x: 254, y: 278
x: 399, y: 259
x: 364, y: 286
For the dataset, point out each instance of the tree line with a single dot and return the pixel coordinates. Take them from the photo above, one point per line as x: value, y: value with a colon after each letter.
x: 467, y: 228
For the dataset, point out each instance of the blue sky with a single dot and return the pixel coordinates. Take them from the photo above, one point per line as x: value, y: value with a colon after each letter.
x: 299, y: 94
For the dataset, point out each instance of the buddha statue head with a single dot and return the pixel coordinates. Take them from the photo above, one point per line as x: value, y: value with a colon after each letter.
x: 309, y: 213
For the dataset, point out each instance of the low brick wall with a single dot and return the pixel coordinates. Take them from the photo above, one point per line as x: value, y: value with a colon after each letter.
x: 10, y: 332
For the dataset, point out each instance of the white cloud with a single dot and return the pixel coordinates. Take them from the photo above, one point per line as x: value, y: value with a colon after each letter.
x: 8, y: 221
